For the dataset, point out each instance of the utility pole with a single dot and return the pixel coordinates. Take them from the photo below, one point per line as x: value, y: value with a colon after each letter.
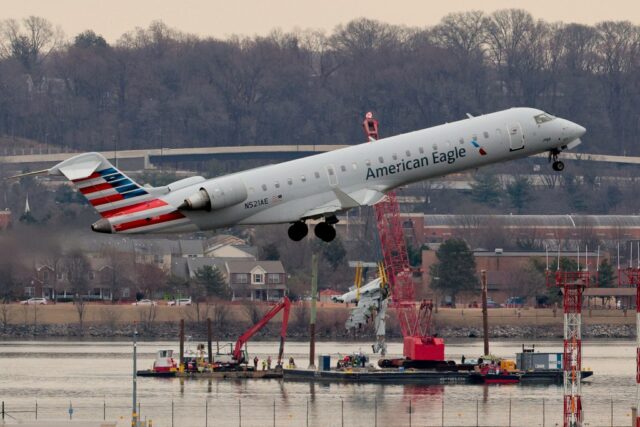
x: 134, y: 413
x: 209, y: 349
x: 312, y: 323
x: 485, y: 313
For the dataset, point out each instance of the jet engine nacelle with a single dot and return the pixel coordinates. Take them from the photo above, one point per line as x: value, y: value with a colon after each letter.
x: 217, y: 194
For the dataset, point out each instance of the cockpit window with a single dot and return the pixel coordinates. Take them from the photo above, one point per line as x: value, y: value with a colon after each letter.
x: 544, y: 117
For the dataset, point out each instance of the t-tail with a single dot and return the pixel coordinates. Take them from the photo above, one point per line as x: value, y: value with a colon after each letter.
x: 125, y: 206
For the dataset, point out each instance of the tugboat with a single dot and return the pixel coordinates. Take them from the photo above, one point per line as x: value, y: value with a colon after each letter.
x: 492, y: 374
x: 164, y: 365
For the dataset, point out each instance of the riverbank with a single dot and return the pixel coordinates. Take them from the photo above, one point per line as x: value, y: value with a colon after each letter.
x: 229, y: 320
x: 169, y: 331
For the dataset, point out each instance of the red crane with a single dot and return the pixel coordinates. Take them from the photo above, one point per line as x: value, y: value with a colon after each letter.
x: 285, y: 305
x: 420, y: 349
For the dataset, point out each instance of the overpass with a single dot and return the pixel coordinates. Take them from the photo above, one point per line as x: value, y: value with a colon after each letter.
x: 145, y: 159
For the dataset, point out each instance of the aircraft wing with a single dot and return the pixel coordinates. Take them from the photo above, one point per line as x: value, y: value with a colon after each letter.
x: 344, y: 201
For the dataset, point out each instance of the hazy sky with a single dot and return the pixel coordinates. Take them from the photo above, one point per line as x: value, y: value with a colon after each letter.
x: 112, y: 18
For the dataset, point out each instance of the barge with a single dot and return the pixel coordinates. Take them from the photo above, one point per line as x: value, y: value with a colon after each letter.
x: 417, y: 376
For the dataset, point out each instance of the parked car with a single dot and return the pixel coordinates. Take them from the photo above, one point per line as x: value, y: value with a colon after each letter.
x: 34, y: 301
x: 515, y: 302
x: 181, y: 301
x: 144, y: 302
x: 492, y: 304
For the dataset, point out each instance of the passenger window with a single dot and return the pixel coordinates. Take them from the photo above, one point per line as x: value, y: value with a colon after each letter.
x: 367, y: 162
x: 316, y: 174
x: 354, y: 165
x: 486, y: 135
x: 277, y: 184
x: 474, y: 137
x: 303, y: 178
x: 394, y: 156
x: 461, y: 140
x: 264, y: 187
x: 343, y: 168
x: 408, y: 153
x: 289, y: 181
x: 435, y: 146
x: 421, y: 150
x: 381, y: 159
x: 330, y: 170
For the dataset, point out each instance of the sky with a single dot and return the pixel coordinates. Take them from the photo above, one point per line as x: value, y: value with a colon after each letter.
x: 221, y: 19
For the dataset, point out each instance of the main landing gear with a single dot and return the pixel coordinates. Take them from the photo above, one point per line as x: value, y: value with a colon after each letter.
x: 557, y: 165
x: 323, y: 230
x: 298, y: 231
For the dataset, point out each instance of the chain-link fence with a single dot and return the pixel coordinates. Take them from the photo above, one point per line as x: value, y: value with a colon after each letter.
x: 322, y: 411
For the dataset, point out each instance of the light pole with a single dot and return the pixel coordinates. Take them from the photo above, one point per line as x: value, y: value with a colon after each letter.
x: 134, y: 414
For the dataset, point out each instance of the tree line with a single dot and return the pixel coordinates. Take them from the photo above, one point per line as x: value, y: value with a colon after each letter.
x: 159, y: 87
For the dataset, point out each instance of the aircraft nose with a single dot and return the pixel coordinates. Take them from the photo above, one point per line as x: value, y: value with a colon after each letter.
x: 574, y: 130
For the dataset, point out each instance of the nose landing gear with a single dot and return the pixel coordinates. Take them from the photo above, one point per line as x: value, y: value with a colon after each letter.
x: 557, y: 165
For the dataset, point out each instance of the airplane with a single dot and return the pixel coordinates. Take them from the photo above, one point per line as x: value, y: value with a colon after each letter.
x: 318, y: 186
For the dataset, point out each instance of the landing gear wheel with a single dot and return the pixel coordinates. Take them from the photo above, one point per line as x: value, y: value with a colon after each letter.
x: 558, y: 166
x: 298, y: 231
x: 324, y: 232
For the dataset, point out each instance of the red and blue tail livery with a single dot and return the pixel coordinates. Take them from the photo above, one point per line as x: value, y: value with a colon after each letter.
x: 124, y: 205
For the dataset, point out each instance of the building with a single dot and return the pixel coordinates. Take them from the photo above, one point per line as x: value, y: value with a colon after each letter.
x: 256, y: 280
x: 550, y: 228
x: 186, y: 268
x: 507, y: 271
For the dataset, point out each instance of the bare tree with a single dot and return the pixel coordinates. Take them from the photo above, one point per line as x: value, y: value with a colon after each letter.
x: 220, y: 315
x: 5, y: 312
x: 150, y: 278
x: 80, y: 304
x: 147, y: 315
x: 254, y: 311
x: 31, y: 41
x: 77, y: 268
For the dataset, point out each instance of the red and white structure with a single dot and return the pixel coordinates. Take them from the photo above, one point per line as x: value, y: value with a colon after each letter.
x: 415, y: 321
x: 572, y: 284
x: 630, y: 277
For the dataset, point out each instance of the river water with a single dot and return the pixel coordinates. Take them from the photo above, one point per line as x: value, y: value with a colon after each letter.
x: 94, y: 378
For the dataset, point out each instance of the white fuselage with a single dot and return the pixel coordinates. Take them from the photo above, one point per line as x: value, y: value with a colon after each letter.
x: 284, y: 192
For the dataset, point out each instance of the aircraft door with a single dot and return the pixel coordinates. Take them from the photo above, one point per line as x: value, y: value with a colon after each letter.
x: 332, y: 175
x: 516, y: 137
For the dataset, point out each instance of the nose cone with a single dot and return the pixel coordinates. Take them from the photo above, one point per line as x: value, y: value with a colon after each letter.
x: 574, y: 130
x: 102, y: 226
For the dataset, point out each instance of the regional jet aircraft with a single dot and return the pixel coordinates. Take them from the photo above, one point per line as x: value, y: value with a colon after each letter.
x: 318, y: 186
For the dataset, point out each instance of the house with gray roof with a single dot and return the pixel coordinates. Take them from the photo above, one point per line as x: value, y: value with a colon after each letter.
x: 186, y: 268
x: 256, y: 280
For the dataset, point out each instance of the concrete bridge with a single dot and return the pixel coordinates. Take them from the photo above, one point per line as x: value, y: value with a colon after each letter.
x: 138, y: 159
x: 145, y: 159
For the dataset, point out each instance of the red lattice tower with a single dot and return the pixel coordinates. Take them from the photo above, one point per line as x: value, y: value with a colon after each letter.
x: 414, y: 321
x: 572, y: 284
x: 630, y: 277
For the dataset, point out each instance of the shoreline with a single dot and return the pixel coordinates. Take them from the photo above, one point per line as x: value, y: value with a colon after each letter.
x: 230, y: 320
x: 169, y: 332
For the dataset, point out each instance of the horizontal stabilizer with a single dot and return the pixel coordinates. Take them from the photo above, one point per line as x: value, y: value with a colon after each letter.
x: 20, y: 175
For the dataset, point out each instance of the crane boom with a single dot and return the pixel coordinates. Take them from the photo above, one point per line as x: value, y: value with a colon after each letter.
x: 415, y: 321
x: 285, y: 305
